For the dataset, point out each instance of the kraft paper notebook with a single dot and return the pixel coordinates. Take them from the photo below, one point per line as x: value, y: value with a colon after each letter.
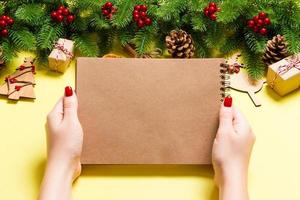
x: 148, y: 111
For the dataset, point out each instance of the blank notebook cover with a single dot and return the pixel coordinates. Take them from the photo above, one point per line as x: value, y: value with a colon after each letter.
x: 148, y: 111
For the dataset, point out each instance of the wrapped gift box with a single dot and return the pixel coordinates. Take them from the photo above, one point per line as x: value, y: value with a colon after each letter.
x: 61, y: 55
x: 284, y: 76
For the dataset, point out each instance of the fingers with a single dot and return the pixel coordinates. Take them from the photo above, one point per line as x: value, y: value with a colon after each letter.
x: 240, y: 123
x: 70, y: 104
x: 225, y: 119
x: 56, y: 115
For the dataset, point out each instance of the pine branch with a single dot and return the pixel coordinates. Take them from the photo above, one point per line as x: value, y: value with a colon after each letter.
x: 105, y: 42
x: 124, y: 15
x: 85, y: 45
x: 98, y: 23
x: 231, y: 10
x: 23, y: 40
x: 143, y: 40
x: 8, y: 51
x: 202, y: 51
x: 293, y: 39
x: 199, y: 23
x: 48, y: 35
x: 170, y: 9
x: 255, y: 42
x: 253, y: 63
x: 30, y: 13
x: 89, y: 4
x: 231, y: 44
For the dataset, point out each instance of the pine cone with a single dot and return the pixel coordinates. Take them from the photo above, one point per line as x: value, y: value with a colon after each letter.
x: 180, y: 44
x: 276, y: 50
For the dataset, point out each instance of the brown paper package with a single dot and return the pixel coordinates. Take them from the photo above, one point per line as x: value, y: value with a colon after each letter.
x: 148, y: 111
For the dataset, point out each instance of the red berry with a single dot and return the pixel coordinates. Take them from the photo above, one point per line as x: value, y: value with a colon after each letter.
x: 260, y: 22
x: 3, y: 24
x: 61, y: 7
x: 256, y: 19
x: 212, y: 4
x: 105, y: 12
x: 212, y: 9
x: 60, y: 18
x: 213, y: 17
x: 143, y: 8
x: 4, y: 17
x: 136, y: 12
x: 4, y: 33
x: 140, y: 23
x: 148, y: 21
x: 143, y: 14
x: 263, y: 31
x: 251, y: 23
x: 70, y: 19
x: 54, y: 15
x: 136, y: 17
x: 262, y: 15
x: 137, y: 7
x: 11, y: 21
x: 206, y: 13
x: 65, y: 12
x: 59, y: 12
x: 108, y: 4
x: 267, y: 21
x: 237, y: 70
x: 109, y: 16
x: 255, y: 29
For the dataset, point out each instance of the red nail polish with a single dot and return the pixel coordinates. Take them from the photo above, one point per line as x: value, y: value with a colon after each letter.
x: 68, y: 91
x: 228, y: 101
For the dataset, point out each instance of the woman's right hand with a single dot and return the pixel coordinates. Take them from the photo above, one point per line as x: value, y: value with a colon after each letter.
x: 232, y: 148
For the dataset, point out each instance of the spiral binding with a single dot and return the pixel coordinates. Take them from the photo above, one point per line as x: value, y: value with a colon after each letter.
x: 225, y: 81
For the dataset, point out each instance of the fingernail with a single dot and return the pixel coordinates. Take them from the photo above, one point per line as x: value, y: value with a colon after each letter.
x: 228, y: 101
x: 68, y: 91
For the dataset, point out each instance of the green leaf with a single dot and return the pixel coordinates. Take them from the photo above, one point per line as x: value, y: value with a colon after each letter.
x: 8, y: 51
x: 23, y: 40
x: 255, y: 42
x: 124, y: 15
x: 143, y: 40
x: 48, y: 35
x: 85, y: 45
x: 30, y: 13
x: 253, y: 63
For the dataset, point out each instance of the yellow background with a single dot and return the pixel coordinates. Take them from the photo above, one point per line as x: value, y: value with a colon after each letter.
x: 274, y: 171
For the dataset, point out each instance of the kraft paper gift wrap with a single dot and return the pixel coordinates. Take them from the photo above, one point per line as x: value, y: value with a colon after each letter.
x: 61, y: 55
x: 284, y: 76
x: 148, y: 111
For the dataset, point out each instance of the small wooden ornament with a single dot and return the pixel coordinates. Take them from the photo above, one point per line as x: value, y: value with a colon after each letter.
x: 21, y: 83
x: 243, y: 83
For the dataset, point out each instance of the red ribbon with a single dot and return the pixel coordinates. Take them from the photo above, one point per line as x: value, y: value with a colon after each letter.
x: 62, y: 48
x: 292, y: 63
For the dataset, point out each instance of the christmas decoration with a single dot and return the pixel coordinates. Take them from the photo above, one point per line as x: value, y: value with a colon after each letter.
x: 61, y: 55
x: 180, y: 44
x: 108, y: 10
x: 63, y: 14
x: 284, y: 76
x: 140, y: 16
x: 5, y: 22
x: 210, y: 11
x: 276, y: 50
x: 259, y: 23
x: 21, y: 83
x: 241, y: 82
x: 34, y: 30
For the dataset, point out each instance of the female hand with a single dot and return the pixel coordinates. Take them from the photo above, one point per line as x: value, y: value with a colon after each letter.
x: 231, y: 152
x: 64, y: 142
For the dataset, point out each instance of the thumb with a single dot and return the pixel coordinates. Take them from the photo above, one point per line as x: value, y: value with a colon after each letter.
x: 226, y: 116
x: 70, y: 103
